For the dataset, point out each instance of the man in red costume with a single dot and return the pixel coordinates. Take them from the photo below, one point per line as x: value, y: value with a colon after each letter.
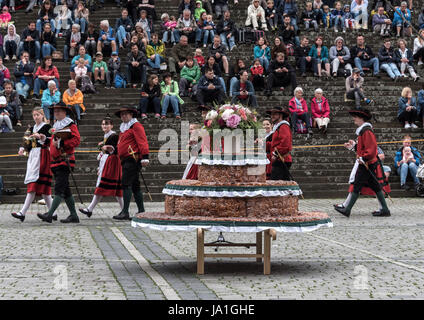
x: 368, y: 168
x: 133, y: 151
x: 65, y: 139
x: 281, y: 144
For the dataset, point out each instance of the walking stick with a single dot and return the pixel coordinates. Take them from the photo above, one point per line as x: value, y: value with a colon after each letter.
x: 73, y: 179
x: 132, y: 152
x: 285, y: 166
x: 375, y: 179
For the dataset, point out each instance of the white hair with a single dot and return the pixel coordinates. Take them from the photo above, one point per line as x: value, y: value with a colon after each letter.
x: 51, y: 83
x: 298, y: 89
x: 164, y: 15
x: 104, y: 23
x: 319, y: 90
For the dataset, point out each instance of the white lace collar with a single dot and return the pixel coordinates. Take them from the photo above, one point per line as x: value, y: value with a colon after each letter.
x: 276, y: 126
x: 107, y: 135
x: 60, y: 124
x: 126, y: 125
x: 37, y: 127
x: 366, y: 124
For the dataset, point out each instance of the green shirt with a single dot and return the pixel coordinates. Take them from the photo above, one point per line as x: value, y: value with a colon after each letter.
x: 99, y: 65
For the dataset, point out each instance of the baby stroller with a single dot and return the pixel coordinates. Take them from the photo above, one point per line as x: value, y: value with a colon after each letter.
x: 420, y: 176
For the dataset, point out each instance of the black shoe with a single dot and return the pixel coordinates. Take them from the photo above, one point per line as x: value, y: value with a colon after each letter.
x: 122, y: 216
x: 18, y: 216
x: 342, y: 210
x: 381, y: 213
x: 54, y: 218
x: 45, y: 217
x: 86, y: 212
x: 70, y: 219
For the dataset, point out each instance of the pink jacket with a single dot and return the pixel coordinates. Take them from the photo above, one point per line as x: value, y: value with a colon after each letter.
x: 5, y: 17
x: 293, y: 107
x: 324, y: 112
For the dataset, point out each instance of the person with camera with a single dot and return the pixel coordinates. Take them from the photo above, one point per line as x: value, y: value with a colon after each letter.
x: 354, y: 88
x: 243, y: 91
x: 363, y: 57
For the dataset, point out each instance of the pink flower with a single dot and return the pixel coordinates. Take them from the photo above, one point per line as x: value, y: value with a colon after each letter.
x: 208, y: 123
x: 233, y: 121
x: 243, y: 114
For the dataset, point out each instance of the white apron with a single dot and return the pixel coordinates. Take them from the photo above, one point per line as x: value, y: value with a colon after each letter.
x: 102, y: 161
x: 33, y: 165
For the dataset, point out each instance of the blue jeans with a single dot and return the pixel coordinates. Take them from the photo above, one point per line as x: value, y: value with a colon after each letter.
x: 207, y: 34
x: 264, y: 62
x: 82, y: 22
x: 156, y: 63
x: 47, y: 49
x: 403, y: 172
x: 233, y: 81
x: 228, y: 43
x: 46, y: 110
x: 78, y: 110
x: 22, y: 89
x: 42, y: 85
x: 374, y: 63
x: 391, y: 69
x: 221, y: 80
x: 339, y: 21
x: 165, y: 37
x: 28, y: 46
x: 173, y: 100
x: 40, y: 24
x: 121, y: 34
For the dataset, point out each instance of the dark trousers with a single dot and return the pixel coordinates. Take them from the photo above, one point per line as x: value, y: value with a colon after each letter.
x: 280, y: 170
x: 357, y: 95
x: 364, y: 178
x: 216, y: 95
x: 284, y: 80
x: 410, y: 116
x: 61, y: 181
x: 258, y: 82
x: 304, y: 117
x: 11, y: 48
x: 304, y: 65
x: 419, y: 54
x: 130, y: 174
x: 146, y: 102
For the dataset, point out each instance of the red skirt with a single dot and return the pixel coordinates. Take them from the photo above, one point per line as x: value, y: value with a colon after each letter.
x: 110, y: 182
x: 384, y: 183
x: 193, y: 172
x: 44, y: 183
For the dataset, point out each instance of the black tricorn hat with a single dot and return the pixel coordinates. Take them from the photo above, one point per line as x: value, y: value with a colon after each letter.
x: 361, y: 113
x: 62, y: 105
x: 281, y: 110
x: 132, y: 109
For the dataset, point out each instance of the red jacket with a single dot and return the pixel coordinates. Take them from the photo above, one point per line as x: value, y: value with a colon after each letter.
x: 68, y: 146
x: 293, y: 107
x: 259, y: 70
x: 136, y: 138
x: 47, y: 72
x: 282, y: 141
x: 325, y: 108
x: 367, y: 146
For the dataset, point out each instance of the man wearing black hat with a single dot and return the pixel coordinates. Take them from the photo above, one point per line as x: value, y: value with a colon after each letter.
x: 369, y: 173
x: 66, y: 138
x: 133, y: 151
x: 281, y: 144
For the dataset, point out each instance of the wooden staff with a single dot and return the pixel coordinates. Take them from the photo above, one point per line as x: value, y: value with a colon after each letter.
x: 285, y: 166
x: 132, y: 153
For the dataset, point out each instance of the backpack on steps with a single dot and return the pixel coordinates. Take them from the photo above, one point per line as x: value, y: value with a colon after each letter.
x: 87, y: 86
x: 120, y: 81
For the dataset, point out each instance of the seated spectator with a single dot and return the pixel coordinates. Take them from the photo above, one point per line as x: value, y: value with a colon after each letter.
x: 100, y: 69
x: 155, y: 53
x: 106, y: 38
x: 146, y: 24
x: 226, y: 29
x: 337, y: 17
x: 256, y: 14
x: 198, y: 56
x: 287, y: 33
x: 235, y: 69
x: 421, y: 20
x: 386, y: 169
x: 359, y: 9
x: 24, y: 75
x: 5, y: 112
x: 50, y: 98
x: 217, y: 50
x: 299, y: 110
x: 123, y: 27
x: 407, y: 160
x: 47, y: 41
x: 404, y: 58
x: 150, y: 97
x: 87, y: 61
x: 5, y: 17
x: 211, y: 63
x: 74, y: 39
x: 244, y: 91
x: 187, y: 5
x: 46, y: 15
x: 149, y: 7
x: 309, y: 17
x: 4, y: 73
x: 141, y: 36
x: 408, y: 109
x: 279, y: 46
x: 81, y: 70
x: 262, y: 52
x: 326, y: 17
x: 288, y: 8
x: 13, y: 102
x: 113, y: 68
x: 221, y: 6
x: 199, y: 10
x: 349, y: 18
x: 63, y: 21
x: 280, y: 73
x: 402, y: 20
x: 354, y: 90
x: 170, y: 96
x: 136, y: 66
x: 271, y: 15
x: 320, y: 111
x: 45, y: 73
x: 381, y: 22
x: 257, y: 75
x: 340, y: 57
x: 178, y: 56
x: 91, y: 41
x: 186, y: 25
x: 81, y: 14
x: 30, y: 41
x: 420, y: 105
x: 303, y: 60
x: 189, y: 78
x: 419, y: 48
x: 210, y: 89
x: 387, y: 60
x: 363, y: 56
x: 168, y: 27
x: 208, y: 30
x: 317, y: 5
x: 320, y: 55
x: 11, y: 42
x: 74, y: 97
x: 139, y: 43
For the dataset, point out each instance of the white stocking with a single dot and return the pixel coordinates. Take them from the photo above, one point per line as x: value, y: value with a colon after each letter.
x: 28, y: 200
x: 349, y: 196
x: 94, y: 202
x: 48, y: 199
x: 120, y: 201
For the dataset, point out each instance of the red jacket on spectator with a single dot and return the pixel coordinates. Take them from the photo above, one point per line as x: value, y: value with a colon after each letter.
x: 259, y: 70
x: 200, y: 60
x: 293, y: 107
x: 317, y: 112
x: 47, y: 72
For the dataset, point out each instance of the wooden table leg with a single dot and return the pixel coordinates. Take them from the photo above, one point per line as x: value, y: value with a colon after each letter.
x: 200, y: 251
x: 267, y: 252
x: 259, y: 245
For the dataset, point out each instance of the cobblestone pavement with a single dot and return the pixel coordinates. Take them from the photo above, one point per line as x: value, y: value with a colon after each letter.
x: 359, y: 258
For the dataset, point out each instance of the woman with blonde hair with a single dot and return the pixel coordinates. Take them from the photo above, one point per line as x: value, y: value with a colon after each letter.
x: 38, y: 176
x: 418, y: 51
x: 407, y: 112
x: 403, y: 56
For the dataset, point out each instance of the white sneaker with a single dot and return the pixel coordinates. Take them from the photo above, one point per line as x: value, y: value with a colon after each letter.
x: 414, y: 126
x: 42, y: 202
x: 407, y: 126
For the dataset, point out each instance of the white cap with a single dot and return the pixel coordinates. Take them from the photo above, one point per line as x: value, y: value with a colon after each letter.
x: 3, y: 100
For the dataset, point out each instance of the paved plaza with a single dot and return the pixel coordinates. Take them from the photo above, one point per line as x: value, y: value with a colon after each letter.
x: 359, y: 258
